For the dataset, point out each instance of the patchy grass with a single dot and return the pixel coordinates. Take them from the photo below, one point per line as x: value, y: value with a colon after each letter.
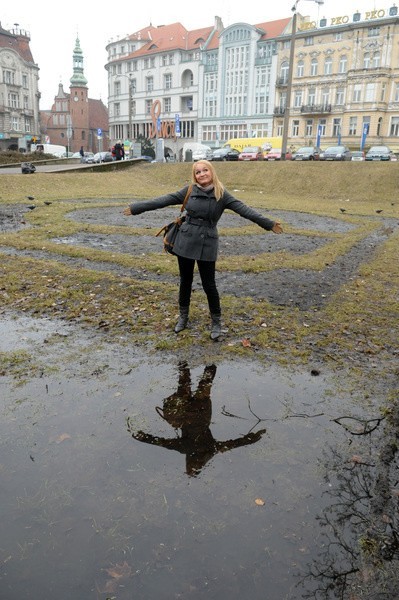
x: 356, y: 325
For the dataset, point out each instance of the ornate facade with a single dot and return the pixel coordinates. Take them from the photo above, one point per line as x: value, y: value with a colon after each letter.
x: 19, y: 92
x: 345, y: 81
x: 217, y: 83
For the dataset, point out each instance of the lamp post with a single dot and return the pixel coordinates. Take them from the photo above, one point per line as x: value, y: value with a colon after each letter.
x: 130, y: 101
x: 290, y: 75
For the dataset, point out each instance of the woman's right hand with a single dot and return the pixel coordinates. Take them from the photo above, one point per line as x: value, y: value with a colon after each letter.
x: 127, y: 211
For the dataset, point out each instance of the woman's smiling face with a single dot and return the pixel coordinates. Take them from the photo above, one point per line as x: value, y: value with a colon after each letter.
x: 203, y: 174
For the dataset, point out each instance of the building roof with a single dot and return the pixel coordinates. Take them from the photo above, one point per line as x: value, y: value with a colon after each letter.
x: 17, y: 41
x: 164, y: 38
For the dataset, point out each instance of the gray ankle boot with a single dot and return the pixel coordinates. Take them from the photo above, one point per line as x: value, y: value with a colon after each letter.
x: 183, y: 319
x: 216, y: 327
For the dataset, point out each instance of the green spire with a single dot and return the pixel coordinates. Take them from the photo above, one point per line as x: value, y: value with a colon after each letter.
x: 78, y: 79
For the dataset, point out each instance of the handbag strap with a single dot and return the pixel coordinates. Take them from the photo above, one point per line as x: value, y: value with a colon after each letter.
x: 189, y: 190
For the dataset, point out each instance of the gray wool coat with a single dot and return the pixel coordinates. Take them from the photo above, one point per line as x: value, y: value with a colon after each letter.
x: 198, y: 237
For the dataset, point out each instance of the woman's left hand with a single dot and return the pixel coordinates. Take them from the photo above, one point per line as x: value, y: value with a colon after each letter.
x: 127, y: 211
x: 277, y: 228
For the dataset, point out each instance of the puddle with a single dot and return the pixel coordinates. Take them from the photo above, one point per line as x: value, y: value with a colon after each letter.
x: 125, y: 476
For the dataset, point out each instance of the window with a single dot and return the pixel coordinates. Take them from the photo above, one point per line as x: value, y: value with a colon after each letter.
x: 15, y: 123
x: 8, y: 76
x: 322, y: 126
x: 119, y: 69
x: 376, y: 60
x: 133, y: 86
x: 357, y: 93
x: 338, y: 36
x: 149, y: 85
x: 340, y: 96
x: 369, y: 95
x: 309, y: 41
x: 300, y: 69
x: 167, y: 105
x: 328, y: 66
x: 343, y: 63
x: 295, y: 128
x: 298, y: 98
x: 396, y: 92
x: 280, y: 127
x: 383, y: 90
x: 284, y: 72
x: 394, y: 126
x: 352, y: 125
x: 366, y: 60
x: 117, y: 88
x: 117, y: 109
x: 13, y: 100
x: 373, y: 31
x: 309, y: 128
x: 148, y: 106
x: 312, y: 96
x: 25, y: 81
x: 167, y: 59
x: 26, y: 102
x: 325, y: 96
x: 149, y: 63
x: 168, y: 81
x: 314, y: 67
x: 336, y: 127
x: 27, y: 125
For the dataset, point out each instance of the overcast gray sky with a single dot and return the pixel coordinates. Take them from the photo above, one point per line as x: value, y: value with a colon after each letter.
x: 53, y: 31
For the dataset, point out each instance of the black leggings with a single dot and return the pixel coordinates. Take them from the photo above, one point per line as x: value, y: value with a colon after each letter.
x: 207, y: 273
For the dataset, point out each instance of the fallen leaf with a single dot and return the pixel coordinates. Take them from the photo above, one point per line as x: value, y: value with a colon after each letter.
x: 259, y: 502
x: 62, y: 438
x: 246, y: 343
x: 120, y: 571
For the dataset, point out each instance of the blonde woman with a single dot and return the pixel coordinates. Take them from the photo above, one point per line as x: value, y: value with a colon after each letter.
x: 198, y: 238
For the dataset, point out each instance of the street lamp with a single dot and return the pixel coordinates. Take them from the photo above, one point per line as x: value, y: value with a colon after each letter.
x: 290, y: 75
x: 130, y: 108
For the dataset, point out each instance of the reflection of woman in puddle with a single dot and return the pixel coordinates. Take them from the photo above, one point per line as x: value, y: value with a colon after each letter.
x: 191, y: 413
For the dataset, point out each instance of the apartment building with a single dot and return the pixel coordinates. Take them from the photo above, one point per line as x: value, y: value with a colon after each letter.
x: 345, y: 81
x: 205, y: 85
x: 216, y: 83
x: 19, y: 92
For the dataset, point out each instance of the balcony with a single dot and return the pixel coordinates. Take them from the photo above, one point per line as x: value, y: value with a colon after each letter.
x: 279, y: 110
x: 282, y: 82
x: 312, y: 109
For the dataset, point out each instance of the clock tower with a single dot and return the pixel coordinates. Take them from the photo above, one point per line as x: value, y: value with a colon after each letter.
x: 79, y: 102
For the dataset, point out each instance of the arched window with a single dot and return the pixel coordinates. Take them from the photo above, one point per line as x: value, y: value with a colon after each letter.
x: 366, y: 60
x: 328, y: 66
x: 284, y: 71
x: 343, y: 62
x: 314, y: 66
x: 300, y: 69
x: 376, y: 60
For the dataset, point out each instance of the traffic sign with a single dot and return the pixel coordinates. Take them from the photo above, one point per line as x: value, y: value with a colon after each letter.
x: 99, y: 132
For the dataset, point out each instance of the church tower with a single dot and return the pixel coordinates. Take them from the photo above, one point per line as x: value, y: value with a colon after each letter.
x: 79, y: 101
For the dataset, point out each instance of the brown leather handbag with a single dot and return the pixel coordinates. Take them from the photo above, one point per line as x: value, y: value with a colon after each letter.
x: 171, y: 230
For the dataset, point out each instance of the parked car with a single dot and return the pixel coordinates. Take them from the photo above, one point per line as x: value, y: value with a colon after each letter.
x: 275, y: 154
x: 225, y: 154
x: 379, y: 153
x: 87, y: 158
x: 100, y: 157
x: 358, y: 155
x: 251, y: 153
x: 336, y: 153
x: 202, y: 154
x: 307, y: 153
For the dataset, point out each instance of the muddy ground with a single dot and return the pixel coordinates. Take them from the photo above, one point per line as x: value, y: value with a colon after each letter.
x: 294, y: 493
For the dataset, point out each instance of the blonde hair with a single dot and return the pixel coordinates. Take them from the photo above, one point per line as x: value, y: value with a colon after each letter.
x: 217, y: 184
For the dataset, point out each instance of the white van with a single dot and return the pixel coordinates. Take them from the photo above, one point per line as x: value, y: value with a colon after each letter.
x: 54, y: 149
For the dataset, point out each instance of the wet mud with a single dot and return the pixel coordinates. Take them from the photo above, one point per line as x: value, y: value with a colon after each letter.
x: 125, y: 475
